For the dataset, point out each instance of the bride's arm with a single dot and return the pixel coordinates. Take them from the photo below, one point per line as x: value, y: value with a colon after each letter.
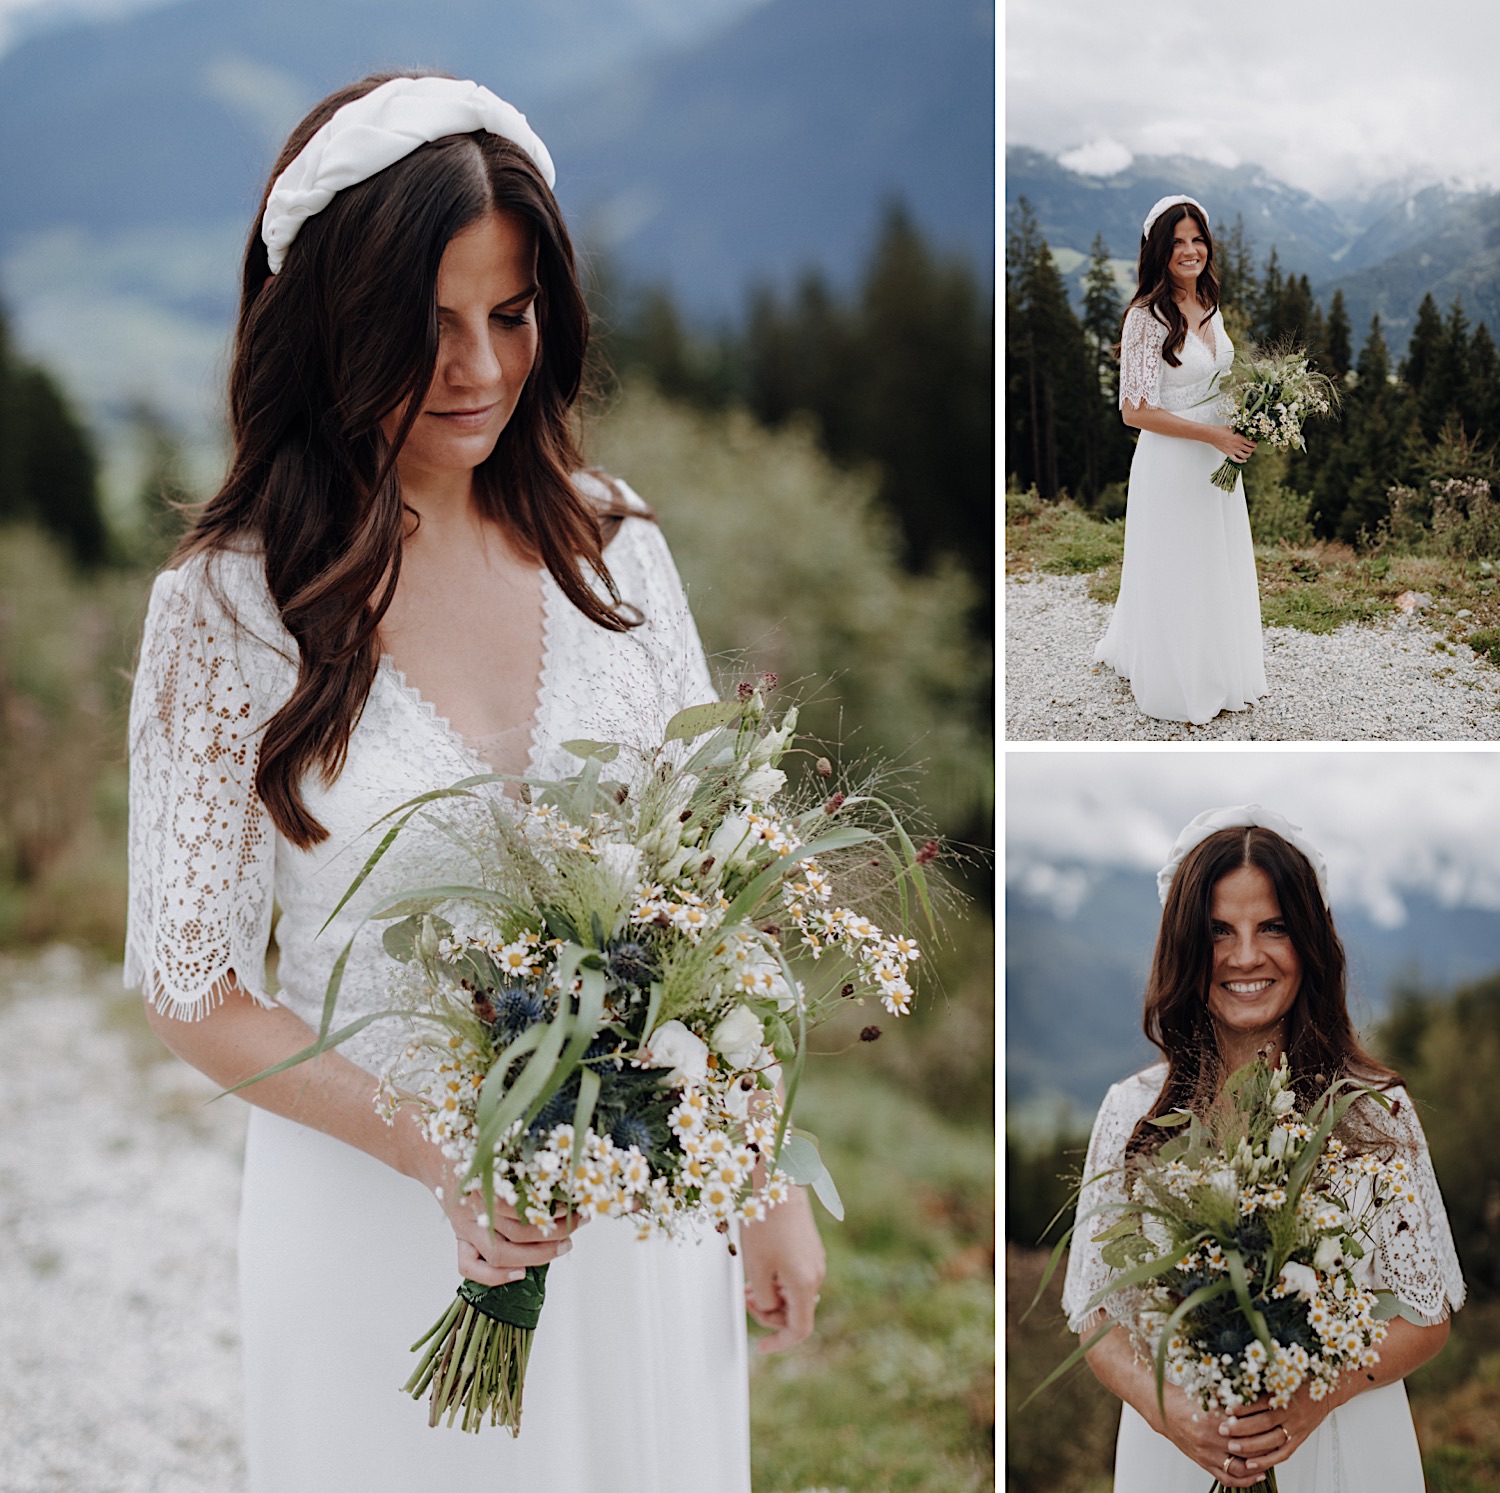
x: 239, y: 1038
x: 1163, y: 422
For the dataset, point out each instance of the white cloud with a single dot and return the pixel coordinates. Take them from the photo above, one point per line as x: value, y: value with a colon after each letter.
x: 1390, y: 823
x: 1323, y: 95
x: 1102, y: 157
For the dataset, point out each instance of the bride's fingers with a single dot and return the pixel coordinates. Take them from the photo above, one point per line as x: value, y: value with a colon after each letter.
x: 494, y: 1249
x: 472, y: 1267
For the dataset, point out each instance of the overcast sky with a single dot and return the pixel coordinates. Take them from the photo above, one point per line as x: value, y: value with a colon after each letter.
x: 1388, y: 822
x: 1326, y: 94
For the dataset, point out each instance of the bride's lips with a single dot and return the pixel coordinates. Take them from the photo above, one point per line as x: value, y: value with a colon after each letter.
x: 469, y: 419
x: 1245, y: 988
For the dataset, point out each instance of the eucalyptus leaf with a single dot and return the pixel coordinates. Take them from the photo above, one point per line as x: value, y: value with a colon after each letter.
x: 698, y: 719
x: 601, y: 751
x: 803, y: 1164
x: 400, y: 939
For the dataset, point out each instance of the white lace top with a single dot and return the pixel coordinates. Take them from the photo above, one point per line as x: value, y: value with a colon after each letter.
x: 1413, y: 1252
x: 207, y: 863
x: 1147, y: 379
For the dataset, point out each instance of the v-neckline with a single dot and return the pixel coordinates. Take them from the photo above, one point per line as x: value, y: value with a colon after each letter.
x: 460, y: 743
x: 1211, y: 348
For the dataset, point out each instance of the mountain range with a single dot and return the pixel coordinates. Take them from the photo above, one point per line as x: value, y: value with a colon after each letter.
x: 701, y: 144
x: 1385, y: 249
x: 1074, y: 976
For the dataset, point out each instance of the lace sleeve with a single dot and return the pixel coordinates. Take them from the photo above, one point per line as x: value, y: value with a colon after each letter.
x: 1087, y: 1273
x: 1140, y: 358
x: 201, y: 843
x: 1413, y: 1243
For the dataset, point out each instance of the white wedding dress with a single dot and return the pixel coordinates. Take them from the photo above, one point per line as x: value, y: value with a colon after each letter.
x: 1185, y: 630
x: 1366, y: 1444
x: 638, y: 1377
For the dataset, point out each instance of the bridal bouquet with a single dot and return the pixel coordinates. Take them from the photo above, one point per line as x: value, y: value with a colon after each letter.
x: 1273, y: 393
x: 599, y: 1021
x: 1236, y: 1245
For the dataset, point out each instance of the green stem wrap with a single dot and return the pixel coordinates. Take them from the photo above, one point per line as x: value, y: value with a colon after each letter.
x: 519, y: 1303
x: 474, y: 1356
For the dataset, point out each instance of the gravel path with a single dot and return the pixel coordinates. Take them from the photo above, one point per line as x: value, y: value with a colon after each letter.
x: 119, y: 1195
x: 1380, y: 682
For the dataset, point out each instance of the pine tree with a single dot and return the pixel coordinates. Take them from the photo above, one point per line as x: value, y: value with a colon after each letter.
x: 1053, y: 364
x: 1233, y: 258
x: 1268, y: 304
x: 1339, y: 337
x: 1484, y: 386
x: 1452, y: 387
x: 1376, y: 453
x: 1422, y: 364
x: 59, y: 468
x: 1108, y: 447
x: 924, y: 395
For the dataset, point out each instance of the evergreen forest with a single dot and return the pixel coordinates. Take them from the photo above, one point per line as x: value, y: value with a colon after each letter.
x: 1414, y: 430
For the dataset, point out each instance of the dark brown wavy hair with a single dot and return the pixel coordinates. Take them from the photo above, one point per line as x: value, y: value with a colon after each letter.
x: 346, y: 333
x: 1155, y: 283
x: 1321, y: 1044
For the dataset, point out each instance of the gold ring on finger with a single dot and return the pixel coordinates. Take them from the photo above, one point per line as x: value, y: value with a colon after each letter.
x: 1288, y: 1436
x: 1227, y: 1461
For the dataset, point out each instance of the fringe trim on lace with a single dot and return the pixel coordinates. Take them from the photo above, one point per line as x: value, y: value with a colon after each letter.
x: 191, y: 1005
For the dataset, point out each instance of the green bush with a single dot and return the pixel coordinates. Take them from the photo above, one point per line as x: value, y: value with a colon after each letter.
x: 791, y: 566
x: 1278, y: 515
x: 1487, y: 642
x: 66, y: 641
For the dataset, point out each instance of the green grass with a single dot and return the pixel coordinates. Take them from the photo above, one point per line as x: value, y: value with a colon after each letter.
x: 1312, y: 586
x: 895, y: 1391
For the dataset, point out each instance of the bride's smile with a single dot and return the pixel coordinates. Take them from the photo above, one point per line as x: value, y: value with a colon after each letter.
x: 1256, y: 969
x: 1189, y: 255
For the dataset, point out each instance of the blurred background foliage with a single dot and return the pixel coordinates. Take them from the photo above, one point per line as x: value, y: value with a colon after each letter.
x: 823, y: 472
x: 1446, y: 1045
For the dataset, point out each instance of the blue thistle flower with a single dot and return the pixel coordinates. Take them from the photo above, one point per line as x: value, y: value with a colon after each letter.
x: 629, y: 1131
x: 516, y: 1009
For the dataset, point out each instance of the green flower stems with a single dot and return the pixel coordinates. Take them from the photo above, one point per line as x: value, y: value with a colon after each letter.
x: 477, y: 1351
x: 1266, y: 1485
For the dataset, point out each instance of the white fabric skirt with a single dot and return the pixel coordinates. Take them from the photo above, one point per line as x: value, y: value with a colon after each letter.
x: 1186, y: 627
x: 1367, y: 1444
x: 638, y: 1378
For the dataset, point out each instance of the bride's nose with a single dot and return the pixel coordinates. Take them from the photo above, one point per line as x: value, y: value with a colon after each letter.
x: 468, y: 358
x: 1244, y: 951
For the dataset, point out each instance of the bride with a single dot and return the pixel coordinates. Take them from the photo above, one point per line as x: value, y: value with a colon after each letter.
x: 406, y: 580
x: 1186, y: 627
x: 1248, y: 961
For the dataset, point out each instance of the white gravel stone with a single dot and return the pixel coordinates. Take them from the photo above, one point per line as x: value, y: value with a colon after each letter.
x: 119, y: 1199
x: 1383, y: 681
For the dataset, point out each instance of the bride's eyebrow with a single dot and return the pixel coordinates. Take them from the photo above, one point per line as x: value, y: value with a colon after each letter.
x: 530, y: 293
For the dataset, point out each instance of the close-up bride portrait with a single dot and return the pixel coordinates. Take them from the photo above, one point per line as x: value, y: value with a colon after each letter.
x: 1248, y: 1099
x: 496, y: 955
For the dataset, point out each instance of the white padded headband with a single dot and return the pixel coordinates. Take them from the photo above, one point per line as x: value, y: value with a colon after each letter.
x: 377, y: 130
x: 1164, y: 204
x: 1212, y: 820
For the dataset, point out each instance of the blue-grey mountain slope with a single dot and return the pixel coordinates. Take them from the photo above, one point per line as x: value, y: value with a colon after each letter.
x: 1073, y: 985
x: 1385, y: 250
